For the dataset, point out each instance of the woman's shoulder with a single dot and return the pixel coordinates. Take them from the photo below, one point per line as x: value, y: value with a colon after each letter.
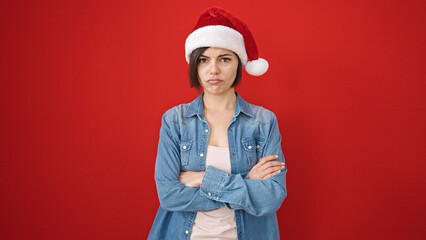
x: 176, y: 113
x: 261, y: 113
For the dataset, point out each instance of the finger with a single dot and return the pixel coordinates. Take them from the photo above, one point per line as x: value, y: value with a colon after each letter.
x: 271, y: 175
x: 271, y: 170
x: 267, y: 159
x: 256, y: 166
x: 182, y: 176
x: 262, y: 161
x: 270, y: 164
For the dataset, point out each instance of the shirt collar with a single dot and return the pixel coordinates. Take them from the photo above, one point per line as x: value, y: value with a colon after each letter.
x: 196, y: 107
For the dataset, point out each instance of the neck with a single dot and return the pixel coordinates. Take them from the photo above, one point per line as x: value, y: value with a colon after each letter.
x: 222, y: 102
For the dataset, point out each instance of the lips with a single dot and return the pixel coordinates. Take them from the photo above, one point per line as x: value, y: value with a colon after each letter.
x: 214, y: 80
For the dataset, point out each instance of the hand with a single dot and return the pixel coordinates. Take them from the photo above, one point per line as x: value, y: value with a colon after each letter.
x: 191, y: 179
x: 266, y: 168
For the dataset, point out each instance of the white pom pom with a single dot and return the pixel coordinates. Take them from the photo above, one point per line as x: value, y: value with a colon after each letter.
x: 257, y: 67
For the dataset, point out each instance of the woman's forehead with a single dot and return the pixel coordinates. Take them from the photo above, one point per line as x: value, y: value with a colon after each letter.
x: 217, y: 51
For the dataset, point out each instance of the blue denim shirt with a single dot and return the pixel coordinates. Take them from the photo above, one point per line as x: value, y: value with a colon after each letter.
x: 252, y: 134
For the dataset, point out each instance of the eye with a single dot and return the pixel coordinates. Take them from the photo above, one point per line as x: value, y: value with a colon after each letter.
x: 202, y: 60
x: 225, y: 59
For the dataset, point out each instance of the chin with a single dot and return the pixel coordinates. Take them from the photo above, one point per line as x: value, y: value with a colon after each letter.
x: 218, y: 91
x: 215, y: 92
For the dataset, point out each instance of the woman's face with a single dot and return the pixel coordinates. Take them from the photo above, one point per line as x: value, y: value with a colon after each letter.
x: 217, y: 69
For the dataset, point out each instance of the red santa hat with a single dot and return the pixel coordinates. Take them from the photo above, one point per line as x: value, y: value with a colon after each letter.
x: 216, y: 27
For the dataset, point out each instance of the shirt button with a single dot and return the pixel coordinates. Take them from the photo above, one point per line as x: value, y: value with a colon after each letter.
x: 201, y: 155
x: 250, y: 147
x: 233, y: 153
x: 186, y: 232
x: 184, y: 147
x: 209, y: 193
x: 241, y: 233
x: 206, y: 130
x: 257, y: 146
x: 230, y: 129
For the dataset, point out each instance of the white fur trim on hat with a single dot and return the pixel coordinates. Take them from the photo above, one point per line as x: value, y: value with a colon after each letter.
x: 257, y: 67
x: 216, y: 36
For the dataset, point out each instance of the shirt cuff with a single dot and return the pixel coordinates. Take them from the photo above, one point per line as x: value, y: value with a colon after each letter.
x: 212, y: 183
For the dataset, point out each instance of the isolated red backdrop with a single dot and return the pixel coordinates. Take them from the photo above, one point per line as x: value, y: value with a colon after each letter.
x: 84, y: 85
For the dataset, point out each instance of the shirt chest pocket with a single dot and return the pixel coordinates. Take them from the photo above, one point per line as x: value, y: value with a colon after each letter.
x: 185, y: 150
x: 253, y: 149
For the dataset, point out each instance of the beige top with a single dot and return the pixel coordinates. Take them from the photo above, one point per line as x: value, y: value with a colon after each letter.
x: 220, y: 223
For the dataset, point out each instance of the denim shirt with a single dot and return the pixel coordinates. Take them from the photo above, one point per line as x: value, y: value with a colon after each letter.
x: 252, y: 134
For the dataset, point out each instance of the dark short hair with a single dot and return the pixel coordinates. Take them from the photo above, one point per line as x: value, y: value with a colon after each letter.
x: 193, y: 71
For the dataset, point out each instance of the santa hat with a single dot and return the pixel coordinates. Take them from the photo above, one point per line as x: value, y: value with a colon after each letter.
x: 216, y: 27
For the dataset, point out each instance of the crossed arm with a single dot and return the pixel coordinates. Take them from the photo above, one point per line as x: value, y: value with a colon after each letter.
x: 259, y: 192
x: 264, y: 169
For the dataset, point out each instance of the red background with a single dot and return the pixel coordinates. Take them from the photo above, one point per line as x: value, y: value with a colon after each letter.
x: 84, y: 85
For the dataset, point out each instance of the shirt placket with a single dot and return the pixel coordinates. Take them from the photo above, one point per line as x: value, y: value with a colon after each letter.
x: 204, y: 135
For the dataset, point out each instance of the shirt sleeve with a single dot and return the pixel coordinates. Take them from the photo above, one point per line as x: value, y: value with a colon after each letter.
x: 256, y: 197
x: 173, y: 195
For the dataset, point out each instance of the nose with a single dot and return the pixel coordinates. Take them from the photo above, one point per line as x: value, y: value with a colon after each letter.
x: 214, y: 69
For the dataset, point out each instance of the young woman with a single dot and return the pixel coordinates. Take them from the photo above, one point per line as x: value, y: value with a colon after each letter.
x: 220, y: 170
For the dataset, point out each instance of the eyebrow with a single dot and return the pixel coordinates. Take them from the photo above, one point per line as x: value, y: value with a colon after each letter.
x: 222, y: 55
